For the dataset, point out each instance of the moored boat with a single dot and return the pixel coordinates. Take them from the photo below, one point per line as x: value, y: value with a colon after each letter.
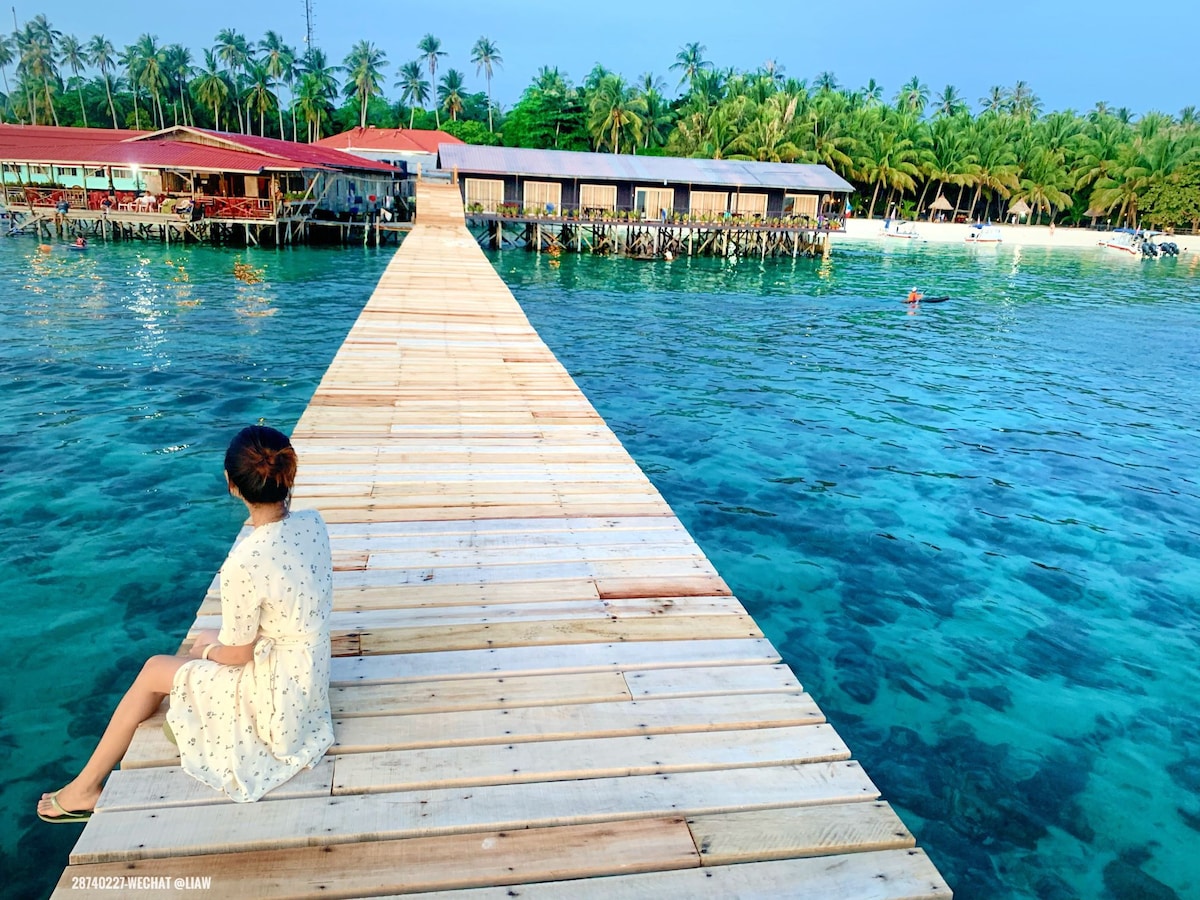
x: 1139, y: 244
x: 984, y: 234
x: 902, y: 230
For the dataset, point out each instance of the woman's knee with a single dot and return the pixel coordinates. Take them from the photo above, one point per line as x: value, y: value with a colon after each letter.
x: 158, y: 673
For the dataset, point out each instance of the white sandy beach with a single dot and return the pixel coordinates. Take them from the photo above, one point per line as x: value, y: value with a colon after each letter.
x: 1014, y: 235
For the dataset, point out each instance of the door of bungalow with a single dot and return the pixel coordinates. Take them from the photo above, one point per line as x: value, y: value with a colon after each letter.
x: 653, y: 202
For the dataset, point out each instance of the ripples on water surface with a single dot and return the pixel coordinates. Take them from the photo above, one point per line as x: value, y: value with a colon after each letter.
x: 124, y: 373
x: 972, y: 531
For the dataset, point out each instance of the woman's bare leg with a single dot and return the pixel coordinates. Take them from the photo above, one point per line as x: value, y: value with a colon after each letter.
x: 139, y: 703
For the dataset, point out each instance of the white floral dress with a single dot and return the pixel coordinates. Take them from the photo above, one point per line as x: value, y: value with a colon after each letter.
x: 247, y: 729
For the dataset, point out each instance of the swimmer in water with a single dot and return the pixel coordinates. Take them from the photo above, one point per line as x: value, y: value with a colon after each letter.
x: 914, y: 296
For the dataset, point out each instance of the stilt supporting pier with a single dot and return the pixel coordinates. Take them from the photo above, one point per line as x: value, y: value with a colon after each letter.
x: 541, y: 686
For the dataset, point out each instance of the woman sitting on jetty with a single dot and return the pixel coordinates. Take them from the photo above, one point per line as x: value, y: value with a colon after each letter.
x: 250, y: 703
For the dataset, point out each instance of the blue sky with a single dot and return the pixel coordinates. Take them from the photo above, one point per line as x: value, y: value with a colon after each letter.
x: 1072, y: 53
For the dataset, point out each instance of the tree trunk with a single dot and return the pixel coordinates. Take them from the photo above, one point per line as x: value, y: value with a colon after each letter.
x: 112, y: 109
x: 921, y: 202
x: 79, y: 87
x: 874, y: 196
x: 975, y: 200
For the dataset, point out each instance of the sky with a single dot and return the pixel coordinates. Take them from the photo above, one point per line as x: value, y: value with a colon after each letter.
x: 1072, y: 53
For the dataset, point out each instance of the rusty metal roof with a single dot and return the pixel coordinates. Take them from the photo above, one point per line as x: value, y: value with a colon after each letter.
x: 730, y: 173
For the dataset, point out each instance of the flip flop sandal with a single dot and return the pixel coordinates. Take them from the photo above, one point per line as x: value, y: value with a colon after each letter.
x: 65, y: 815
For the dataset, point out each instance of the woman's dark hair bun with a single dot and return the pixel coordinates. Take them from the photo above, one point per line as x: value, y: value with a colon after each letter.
x: 261, y: 464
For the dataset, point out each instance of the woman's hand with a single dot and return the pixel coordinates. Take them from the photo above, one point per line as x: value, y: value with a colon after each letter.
x: 203, y: 639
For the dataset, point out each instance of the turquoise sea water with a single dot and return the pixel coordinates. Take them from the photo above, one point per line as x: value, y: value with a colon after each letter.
x: 971, y: 531
x: 124, y: 373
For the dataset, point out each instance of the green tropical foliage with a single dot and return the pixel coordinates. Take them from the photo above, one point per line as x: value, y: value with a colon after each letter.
x: 901, y: 156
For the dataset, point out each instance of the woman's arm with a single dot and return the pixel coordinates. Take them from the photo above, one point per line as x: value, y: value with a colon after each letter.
x: 226, y: 654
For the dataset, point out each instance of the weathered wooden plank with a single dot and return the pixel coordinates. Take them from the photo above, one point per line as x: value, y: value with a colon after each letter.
x: 696, y: 682
x: 797, y: 831
x: 171, y: 786
x: 400, y: 770
x: 547, y: 660
x: 569, y: 722
x: 421, y: 863
x: 245, y: 827
x: 477, y: 693
x: 884, y: 875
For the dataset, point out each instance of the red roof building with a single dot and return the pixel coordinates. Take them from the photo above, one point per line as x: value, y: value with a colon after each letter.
x: 411, y: 147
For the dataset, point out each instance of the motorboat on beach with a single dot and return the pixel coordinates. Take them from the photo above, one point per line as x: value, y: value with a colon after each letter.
x: 984, y: 234
x: 902, y: 230
x: 1136, y: 243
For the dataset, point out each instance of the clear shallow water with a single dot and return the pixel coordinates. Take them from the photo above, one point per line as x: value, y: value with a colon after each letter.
x: 124, y: 373
x: 972, y: 531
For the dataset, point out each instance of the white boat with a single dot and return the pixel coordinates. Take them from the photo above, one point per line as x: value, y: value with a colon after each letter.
x: 903, y: 230
x: 1137, y: 244
x: 984, y: 234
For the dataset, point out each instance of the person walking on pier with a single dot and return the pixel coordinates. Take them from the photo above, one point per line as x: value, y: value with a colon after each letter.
x: 250, y: 703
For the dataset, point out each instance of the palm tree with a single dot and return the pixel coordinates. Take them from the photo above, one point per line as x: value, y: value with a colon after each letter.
x: 450, y: 93
x: 615, y: 110
x: 234, y: 50
x: 1023, y: 102
x: 7, y: 58
x: 950, y: 102
x: 364, y: 73
x: 690, y: 61
x: 260, y: 98
x: 178, y: 68
x: 414, y: 89
x: 71, y: 52
x: 485, y: 54
x: 101, y: 54
x: 36, y: 44
x: 996, y: 100
x: 431, y: 49
x: 280, y: 62
x: 318, y: 87
x: 913, y: 96
x: 826, y: 82
x: 151, y: 74
x: 133, y: 67
x: 872, y: 93
x: 211, y: 87
x: 657, y: 119
x: 887, y: 157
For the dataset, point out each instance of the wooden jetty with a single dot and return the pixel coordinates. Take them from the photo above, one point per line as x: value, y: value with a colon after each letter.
x: 541, y: 687
x: 581, y: 232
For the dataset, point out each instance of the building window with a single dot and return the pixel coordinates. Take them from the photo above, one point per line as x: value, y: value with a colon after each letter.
x: 598, y: 197
x: 750, y: 204
x: 800, y: 205
x: 653, y: 202
x: 122, y: 173
x: 545, y: 195
x: 39, y: 170
x: 69, y: 171
x: 709, y: 203
x: 486, y: 192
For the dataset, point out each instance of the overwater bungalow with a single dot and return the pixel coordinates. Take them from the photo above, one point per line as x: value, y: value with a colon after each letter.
x: 647, y: 206
x: 182, y: 182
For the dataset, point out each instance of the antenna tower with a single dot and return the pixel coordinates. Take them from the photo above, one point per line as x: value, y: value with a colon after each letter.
x: 308, y: 23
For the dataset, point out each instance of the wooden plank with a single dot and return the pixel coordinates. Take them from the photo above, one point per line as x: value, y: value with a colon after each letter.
x: 245, y: 827
x: 510, y: 661
x: 415, y: 864
x: 556, y: 633
x: 885, y: 875
x: 797, y: 831
x: 546, y: 723
x: 696, y: 682
x: 171, y: 786
x: 477, y: 693
x: 401, y: 770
